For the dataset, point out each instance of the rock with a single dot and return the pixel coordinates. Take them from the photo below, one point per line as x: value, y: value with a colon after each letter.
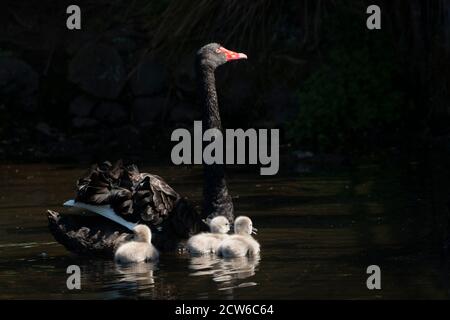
x: 332, y: 160
x: 70, y: 147
x: 301, y: 155
x: 149, y: 78
x: 110, y: 112
x: 127, y: 137
x: 47, y: 133
x: 19, y: 83
x: 281, y: 104
x: 123, y: 38
x: 99, y: 70
x: 147, y: 110
x: 304, y: 168
x: 238, y: 97
x: 44, y: 129
x: 124, y: 44
x: 306, y: 161
x: 184, y: 75
x: 81, y: 106
x: 184, y: 112
x: 74, y: 41
x: 81, y: 122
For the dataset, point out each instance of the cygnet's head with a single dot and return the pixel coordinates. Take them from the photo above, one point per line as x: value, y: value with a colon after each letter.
x: 219, y: 224
x: 244, y: 225
x: 142, y: 233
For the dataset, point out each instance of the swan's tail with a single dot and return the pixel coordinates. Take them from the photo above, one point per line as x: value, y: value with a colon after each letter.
x: 84, y: 235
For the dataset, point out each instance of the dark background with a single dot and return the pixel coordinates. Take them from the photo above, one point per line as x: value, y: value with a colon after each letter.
x: 339, y: 93
x: 373, y: 104
x: 121, y: 85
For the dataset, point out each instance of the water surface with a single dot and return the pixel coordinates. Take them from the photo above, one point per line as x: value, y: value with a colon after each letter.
x: 318, y: 234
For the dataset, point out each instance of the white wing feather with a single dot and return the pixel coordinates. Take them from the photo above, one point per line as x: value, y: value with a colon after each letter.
x: 105, y: 211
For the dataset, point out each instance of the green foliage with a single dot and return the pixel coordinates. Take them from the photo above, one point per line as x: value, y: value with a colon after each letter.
x: 5, y: 53
x: 351, y: 96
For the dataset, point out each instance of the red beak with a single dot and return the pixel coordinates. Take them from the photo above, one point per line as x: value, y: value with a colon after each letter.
x: 231, y: 55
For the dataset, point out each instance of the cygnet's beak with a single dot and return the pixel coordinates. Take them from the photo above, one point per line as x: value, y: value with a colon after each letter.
x: 254, y: 230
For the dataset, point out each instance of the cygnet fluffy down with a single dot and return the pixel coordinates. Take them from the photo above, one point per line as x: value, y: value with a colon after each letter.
x: 240, y: 244
x: 208, y: 242
x: 140, y: 249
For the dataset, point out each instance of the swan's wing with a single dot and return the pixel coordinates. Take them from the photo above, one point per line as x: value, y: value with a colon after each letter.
x: 132, y: 195
x: 153, y: 198
x: 105, y: 211
x: 94, y: 186
x: 108, y: 184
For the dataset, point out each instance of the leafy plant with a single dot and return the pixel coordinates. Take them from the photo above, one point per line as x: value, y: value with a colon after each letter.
x: 5, y: 53
x: 353, y: 95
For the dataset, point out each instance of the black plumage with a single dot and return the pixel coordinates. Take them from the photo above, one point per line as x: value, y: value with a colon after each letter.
x: 133, y: 195
x: 147, y: 198
x: 137, y: 197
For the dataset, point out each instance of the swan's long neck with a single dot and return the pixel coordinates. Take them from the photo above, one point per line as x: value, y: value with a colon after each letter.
x: 216, y: 199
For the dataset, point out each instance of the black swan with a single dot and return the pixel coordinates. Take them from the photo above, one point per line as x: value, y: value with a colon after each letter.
x: 131, y: 196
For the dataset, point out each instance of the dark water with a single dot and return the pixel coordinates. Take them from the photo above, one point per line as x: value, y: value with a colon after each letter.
x: 318, y: 234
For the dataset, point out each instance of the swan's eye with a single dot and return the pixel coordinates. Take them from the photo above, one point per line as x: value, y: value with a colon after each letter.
x: 218, y: 50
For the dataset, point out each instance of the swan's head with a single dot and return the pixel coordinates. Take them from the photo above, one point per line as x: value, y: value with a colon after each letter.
x: 142, y: 233
x: 214, y: 55
x: 219, y: 224
x: 244, y: 225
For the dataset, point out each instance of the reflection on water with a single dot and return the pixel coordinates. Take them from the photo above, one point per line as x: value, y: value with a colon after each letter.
x: 318, y: 233
x: 229, y: 273
x: 139, y: 273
